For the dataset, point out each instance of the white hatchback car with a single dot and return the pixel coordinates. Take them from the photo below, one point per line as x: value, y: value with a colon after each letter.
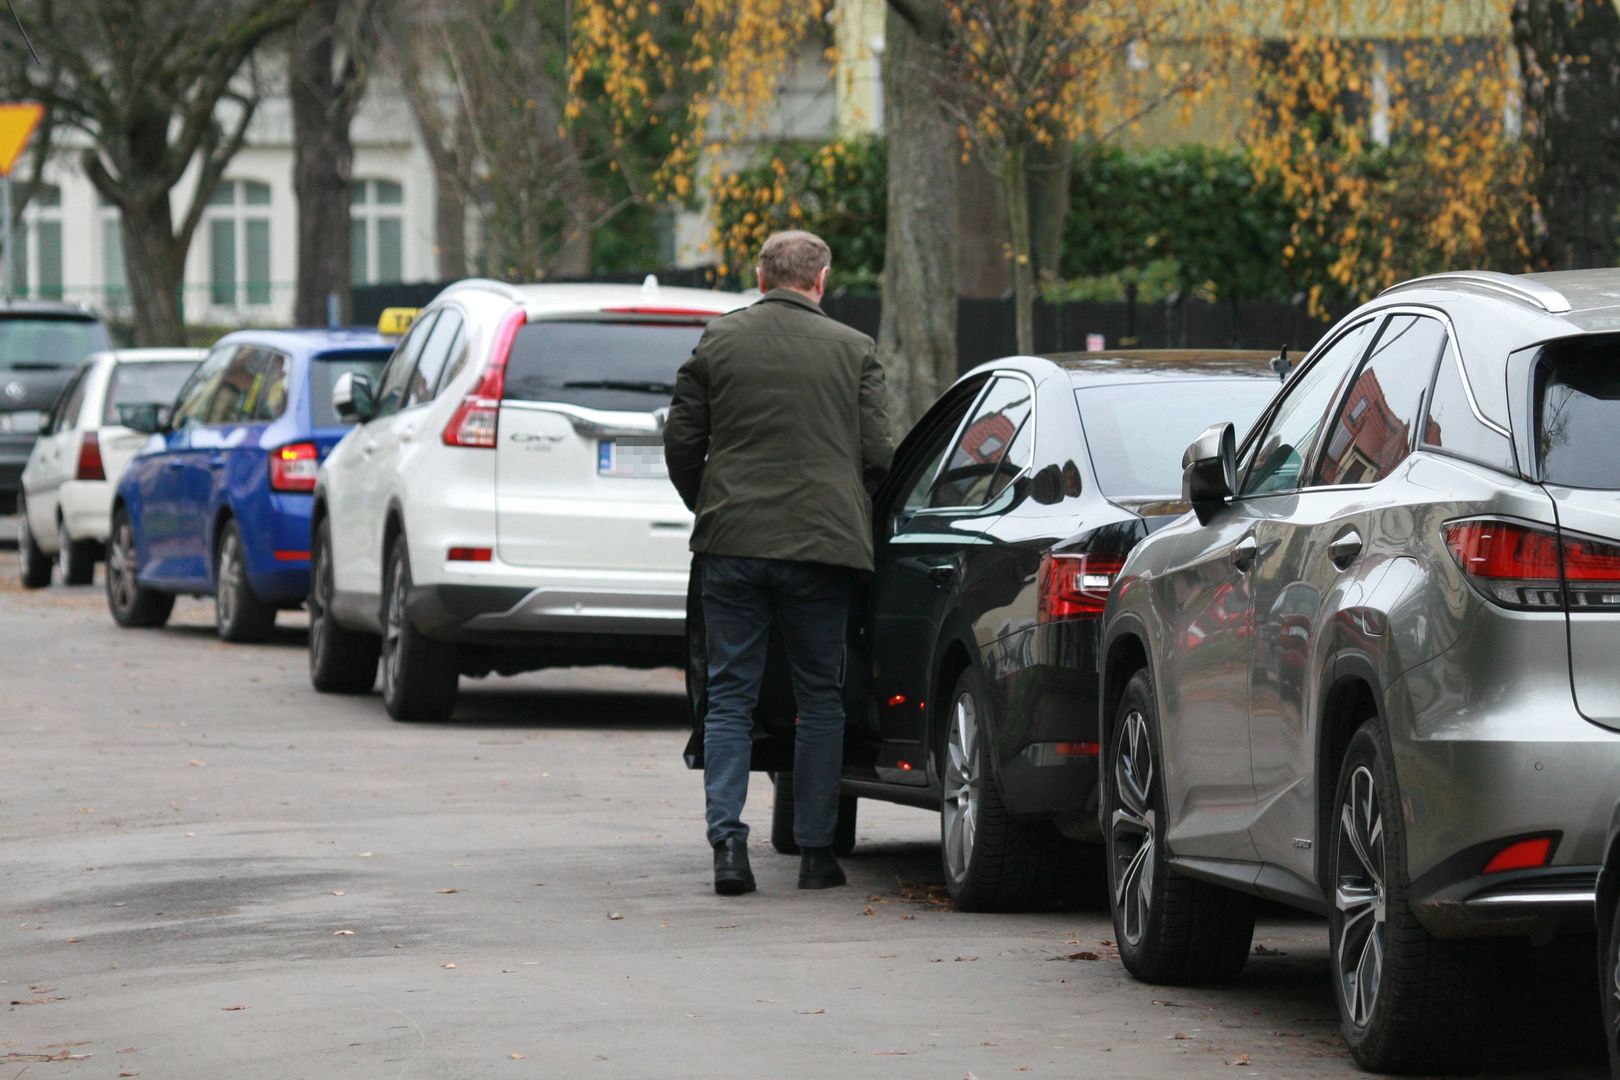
x: 68, y: 483
x: 503, y: 505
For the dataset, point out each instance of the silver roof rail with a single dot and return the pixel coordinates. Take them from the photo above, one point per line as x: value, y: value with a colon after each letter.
x: 487, y: 284
x: 1544, y: 297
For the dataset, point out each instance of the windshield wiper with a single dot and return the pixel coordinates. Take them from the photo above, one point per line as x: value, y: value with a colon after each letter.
x: 647, y: 387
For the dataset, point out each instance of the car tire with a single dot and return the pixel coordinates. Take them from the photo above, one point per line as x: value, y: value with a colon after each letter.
x: 130, y: 602
x: 1408, y: 1002
x: 992, y: 861
x: 420, y: 675
x: 239, y: 615
x: 1170, y: 928
x: 76, y: 559
x: 782, y: 840
x: 33, y: 565
x: 1609, y: 980
x: 341, y: 660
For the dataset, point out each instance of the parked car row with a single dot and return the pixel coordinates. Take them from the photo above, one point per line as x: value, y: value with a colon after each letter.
x: 1351, y: 651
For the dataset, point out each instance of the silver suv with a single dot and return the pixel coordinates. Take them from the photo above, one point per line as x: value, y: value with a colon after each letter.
x: 1374, y: 673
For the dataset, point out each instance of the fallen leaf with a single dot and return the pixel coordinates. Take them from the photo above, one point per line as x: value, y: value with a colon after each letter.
x: 443, y: 892
x: 810, y: 1012
x: 128, y: 1050
x: 365, y: 854
x: 1077, y: 956
x: 129, y: 1074
x: 338, y: 892
x: 615, y: 916
x: 195, y: 761
x: 722, y: 926
x: 191, y: 834
x: 1181, y: 1035
x: 963, y: 959
x: 891, y: 1053
x: 907, y: 918
x: 65, y: 1056
x: 1261, y: 950
x: 74, y: 940
x: 233, y: 1008
x: 867, y: 911
x: 515, y: 1056
x: 447, y: 965
x: 1241, y: 1059
x: 343, y: 933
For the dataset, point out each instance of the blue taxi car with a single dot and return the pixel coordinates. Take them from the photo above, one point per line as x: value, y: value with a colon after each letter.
x: 218, y: 501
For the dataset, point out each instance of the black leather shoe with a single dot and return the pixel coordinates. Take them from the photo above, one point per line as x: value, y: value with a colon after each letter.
x: 819, y: 869
x: 732, y: 876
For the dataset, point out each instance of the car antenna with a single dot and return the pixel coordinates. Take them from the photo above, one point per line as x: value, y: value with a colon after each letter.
x: 1281, y: 365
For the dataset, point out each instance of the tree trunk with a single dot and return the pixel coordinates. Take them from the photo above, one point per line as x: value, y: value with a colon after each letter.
x: 1015, y: 187
x: 981, y: 228
x: 323, y: 106
x: 155, y: 260
x: 1050, y: 165
x: 1569, y: 54
x: 449, y: 225
x: 917, y: 330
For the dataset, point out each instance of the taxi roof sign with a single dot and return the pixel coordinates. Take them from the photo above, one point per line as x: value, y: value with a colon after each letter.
x: 396, y: 320
x: 17, y: 123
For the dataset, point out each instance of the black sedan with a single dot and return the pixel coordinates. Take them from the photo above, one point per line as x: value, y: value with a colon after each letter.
x: 972, y: 675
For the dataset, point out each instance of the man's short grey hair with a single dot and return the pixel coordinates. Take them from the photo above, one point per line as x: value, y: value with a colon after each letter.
x: 793, y: 259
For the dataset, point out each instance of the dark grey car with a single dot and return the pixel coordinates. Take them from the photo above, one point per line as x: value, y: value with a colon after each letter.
x: 1374, y: 673
x: 41, y: 344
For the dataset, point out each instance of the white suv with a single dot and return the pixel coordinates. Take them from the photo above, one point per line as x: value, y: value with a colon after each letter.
x: 502, y: 505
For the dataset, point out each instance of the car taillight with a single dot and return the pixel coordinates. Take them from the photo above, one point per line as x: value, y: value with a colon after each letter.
x: 90, y: 467
x: 476, y: 421
x: 1528, y: 567
x: 1076, y: 586
x: 293, y: 467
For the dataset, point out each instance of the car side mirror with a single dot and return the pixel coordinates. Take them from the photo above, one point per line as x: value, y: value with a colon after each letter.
x: 146, y: 417
x: 352, y: 397
x: 1209, y: 470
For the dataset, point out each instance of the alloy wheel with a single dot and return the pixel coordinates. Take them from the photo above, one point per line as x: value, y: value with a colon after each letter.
x: 1614, y: 993
x: 230, y: 575
x: 1132, y: 828
x: 120, y: 566
x: 320, y: 597
x: 64, y: 547
x: 393, y: 625
x: 1359, y: 896
x: 25, y: 542
x: 962, y: 771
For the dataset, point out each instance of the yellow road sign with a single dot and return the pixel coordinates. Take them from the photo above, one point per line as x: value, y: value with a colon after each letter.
x: 17, y: 123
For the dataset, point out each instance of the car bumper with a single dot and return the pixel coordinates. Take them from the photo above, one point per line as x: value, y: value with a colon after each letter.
x: 276, y: 534
x: 600, y: 616
x: 86, y: 509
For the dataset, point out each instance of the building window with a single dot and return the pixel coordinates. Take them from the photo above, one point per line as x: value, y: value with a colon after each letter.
x: 36, y: 261
x: 239, y: 244
x: 376, y: 229
x: 114, y: 274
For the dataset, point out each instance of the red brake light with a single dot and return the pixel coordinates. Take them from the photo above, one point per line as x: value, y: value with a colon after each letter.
x: 1523, y: 855
x: 1519, y: 565
x: 476, y: 421
x: 1076, y: 586
x: 90, y: 467
x: 293, y: 467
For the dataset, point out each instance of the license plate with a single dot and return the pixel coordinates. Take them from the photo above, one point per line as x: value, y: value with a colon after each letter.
x: 26, y: 422
x: 636, y: 458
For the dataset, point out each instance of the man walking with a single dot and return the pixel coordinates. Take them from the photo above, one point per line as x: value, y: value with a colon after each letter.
x: 776, y: 438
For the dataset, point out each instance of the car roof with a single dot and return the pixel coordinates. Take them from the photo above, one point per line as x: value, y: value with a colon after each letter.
x: 12, y: 308
x: 309, y: 340
x: 1122, y: 366
x: 145, y: 356
x: 650, y: 298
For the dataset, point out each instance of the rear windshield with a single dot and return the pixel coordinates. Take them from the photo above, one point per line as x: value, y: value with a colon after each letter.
x: 1138, y: 432
x: 1578, y: 414
x: 600, y: 365
x: 154, y: 382
x: 42, y: 342
x: 323, y: 375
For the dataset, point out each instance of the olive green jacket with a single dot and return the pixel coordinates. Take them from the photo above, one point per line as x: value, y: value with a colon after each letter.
x: 779, y: 433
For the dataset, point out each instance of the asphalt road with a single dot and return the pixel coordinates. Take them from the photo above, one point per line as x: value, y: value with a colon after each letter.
x: 208, y: 871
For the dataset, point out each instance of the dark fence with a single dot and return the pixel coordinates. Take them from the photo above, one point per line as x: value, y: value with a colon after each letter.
x: 985, y: 329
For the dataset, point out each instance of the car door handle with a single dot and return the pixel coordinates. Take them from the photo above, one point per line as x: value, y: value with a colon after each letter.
x: 1244, y: 552
x: 407, y: 434
x: 1345, y: 548
x: 371, y: 446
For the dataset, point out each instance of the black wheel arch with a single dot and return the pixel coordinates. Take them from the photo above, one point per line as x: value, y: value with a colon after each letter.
x: 1351, y: 696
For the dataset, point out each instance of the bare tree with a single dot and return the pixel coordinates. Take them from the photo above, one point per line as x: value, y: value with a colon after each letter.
x: 329, y: 64
x: 158, y: 87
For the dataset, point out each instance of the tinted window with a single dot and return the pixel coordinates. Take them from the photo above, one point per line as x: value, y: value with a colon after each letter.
x: 988, y: 453
x: 1137, y: 433
x: 600, y: 365
x: 1578, y: 414
x: 253, y: 389
x: 40, y: 341
x: 192, y: 404
x: 148, y: 383
x: 1278, y: 457
x: 1373, y: 430
x: 1452, y: 425
x: 396, y: 379
x: 324, y: 370
x: 438, y: 348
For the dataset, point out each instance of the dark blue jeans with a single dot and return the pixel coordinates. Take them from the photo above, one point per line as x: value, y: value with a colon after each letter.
x: 808, y: 603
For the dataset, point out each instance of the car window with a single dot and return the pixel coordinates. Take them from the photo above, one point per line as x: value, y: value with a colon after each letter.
x: 601, y: 365
x: 436, y: 352
x: 191, y: 406
x: 1279, y: 455
x: 42, y: 342
x: 987, y: 454
x: 1136, y: 432
x: 324, y: 371
x: 1577, y: 408
x: 396, y: 377
x: 1452, y: 425
x: 253, y: 389
x: 153, y: 382
x: 69, y: 403
x: 1372, y: 432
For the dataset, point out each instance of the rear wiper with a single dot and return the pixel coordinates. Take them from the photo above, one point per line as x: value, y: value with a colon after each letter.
x: 33, y: 365
x: 621, y: 384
